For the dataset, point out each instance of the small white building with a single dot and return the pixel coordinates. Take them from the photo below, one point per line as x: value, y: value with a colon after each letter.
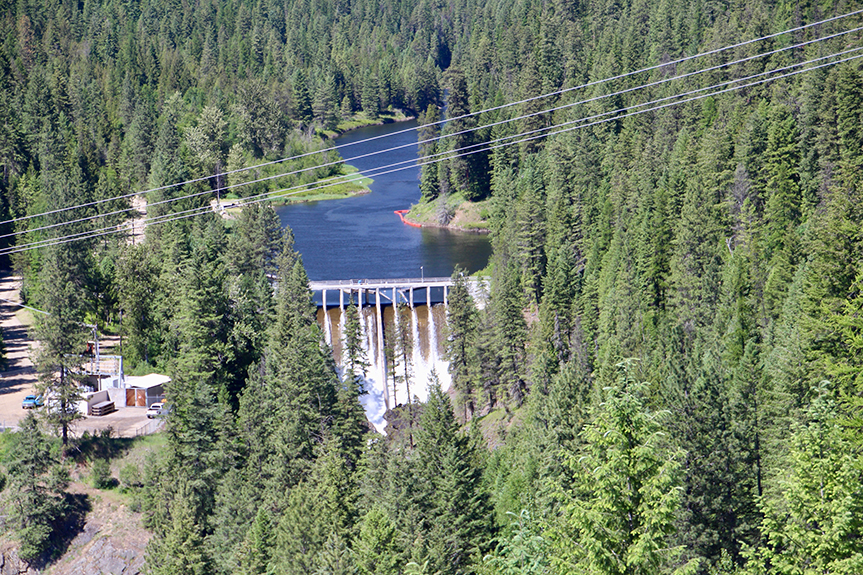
x: 143, y: 390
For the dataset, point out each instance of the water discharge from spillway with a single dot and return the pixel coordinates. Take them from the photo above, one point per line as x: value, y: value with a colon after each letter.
x: 427, y: 328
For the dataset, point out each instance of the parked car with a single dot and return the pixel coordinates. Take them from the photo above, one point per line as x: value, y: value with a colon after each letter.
x: 32, y: 401
x: 156, y: 409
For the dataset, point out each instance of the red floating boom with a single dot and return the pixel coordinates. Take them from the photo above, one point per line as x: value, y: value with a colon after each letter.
x: 401, y: 214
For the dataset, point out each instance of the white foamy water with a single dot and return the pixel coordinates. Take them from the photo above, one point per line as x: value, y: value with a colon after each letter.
x: 427, y: 328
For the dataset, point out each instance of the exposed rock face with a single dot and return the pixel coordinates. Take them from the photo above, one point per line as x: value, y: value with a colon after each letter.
x: 103, y: 556
x: 11, y: 564
x: 111, y: 540
x: 114, y: 547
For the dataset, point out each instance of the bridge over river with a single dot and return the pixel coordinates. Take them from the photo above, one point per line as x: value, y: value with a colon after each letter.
x: 388, y: 292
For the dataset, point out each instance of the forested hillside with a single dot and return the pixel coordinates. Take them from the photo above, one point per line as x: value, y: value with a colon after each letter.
x: 669, y: 374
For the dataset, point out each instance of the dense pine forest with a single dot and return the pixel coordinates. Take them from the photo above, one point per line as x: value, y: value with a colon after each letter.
x: 668, y: 376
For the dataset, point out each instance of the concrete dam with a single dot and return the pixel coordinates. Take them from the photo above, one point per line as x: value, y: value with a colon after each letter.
x: 423, y: 303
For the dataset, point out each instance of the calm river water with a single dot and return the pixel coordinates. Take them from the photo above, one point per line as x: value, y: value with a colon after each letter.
x: 361, y: 237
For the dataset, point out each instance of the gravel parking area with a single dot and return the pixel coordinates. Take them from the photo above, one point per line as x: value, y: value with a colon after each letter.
x: 125, y: 422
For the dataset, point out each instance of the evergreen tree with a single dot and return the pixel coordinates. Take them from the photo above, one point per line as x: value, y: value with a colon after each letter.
x: 302, y: 108
x: 260, y: 116
x: 371, y: 96
x: 392, y: 479
x: 429, y: 130
x: 167, y: 164
x: 457, y: 516
x: 488, y: 361
x: 335, y: 557
x: 319, y: 517
x: 200, y: 320
x: 198, y: 423
x: 254, y: 555
x: 36, y: 500
x: 846, y: 366
x: 248, y: 487
x: 206, y: 142
x: 402, y: 356
x: 719, y: 471
x: 814, y: 524
x: 530, y: 86
x: 302, y: 377
x: 375, y: 548
x: 346, y: 109
x: 181, y: 549
x: 325, y: 103
x: 531, y: 230
x: 826, y: 283
x: 523, y: 552
x: 354, y: 356
x: 626, y: 495
x: 136, y: 280
x: 139, y: 140
x: 253, y: 247
x: 62, y: 339
x: 695, y: 260
x: 462, y: 321
x: 510, y: 334
x: 561, y: 284
x: 849, y: 111
x: 293, y: 402
x: 782, y: 211
x: 457, y: 106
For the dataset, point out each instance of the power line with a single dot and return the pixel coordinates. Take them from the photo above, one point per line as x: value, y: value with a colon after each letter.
x: 448, y: 155
x: 701, y: 97
x: 515, y: 103
x: 441, y: 157
x: 437, y: 138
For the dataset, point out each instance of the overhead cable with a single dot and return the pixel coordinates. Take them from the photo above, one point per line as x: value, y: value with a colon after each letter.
x: 413, y: 144
x: 449, y: 155
x: 495, y: 108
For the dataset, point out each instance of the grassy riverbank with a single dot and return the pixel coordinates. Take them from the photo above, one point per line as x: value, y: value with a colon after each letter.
x: 453, y: 212
x: 353, y: 184
x: 361, y: 120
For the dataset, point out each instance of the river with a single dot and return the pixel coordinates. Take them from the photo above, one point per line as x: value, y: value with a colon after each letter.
x: 361, y: 237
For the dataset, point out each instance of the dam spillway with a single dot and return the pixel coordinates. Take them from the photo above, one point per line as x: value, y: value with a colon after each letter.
x: 418, y: 305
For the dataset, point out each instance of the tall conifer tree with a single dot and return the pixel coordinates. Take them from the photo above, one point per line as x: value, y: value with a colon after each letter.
x: 619, y: 518
x: 62, y: 337
x: 462, y: 319
x: 456, y: 516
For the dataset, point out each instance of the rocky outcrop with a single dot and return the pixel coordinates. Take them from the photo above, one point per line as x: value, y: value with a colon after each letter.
x: 110, y: 540
x: 103, y: 556
x: 11, y: 564
x: 90, y: 552
x: 114, y: 546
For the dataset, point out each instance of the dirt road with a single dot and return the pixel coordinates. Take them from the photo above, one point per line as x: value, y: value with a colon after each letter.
x: 18, y: 378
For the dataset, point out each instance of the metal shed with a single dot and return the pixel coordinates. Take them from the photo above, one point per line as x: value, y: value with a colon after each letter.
x: 145, y: 390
